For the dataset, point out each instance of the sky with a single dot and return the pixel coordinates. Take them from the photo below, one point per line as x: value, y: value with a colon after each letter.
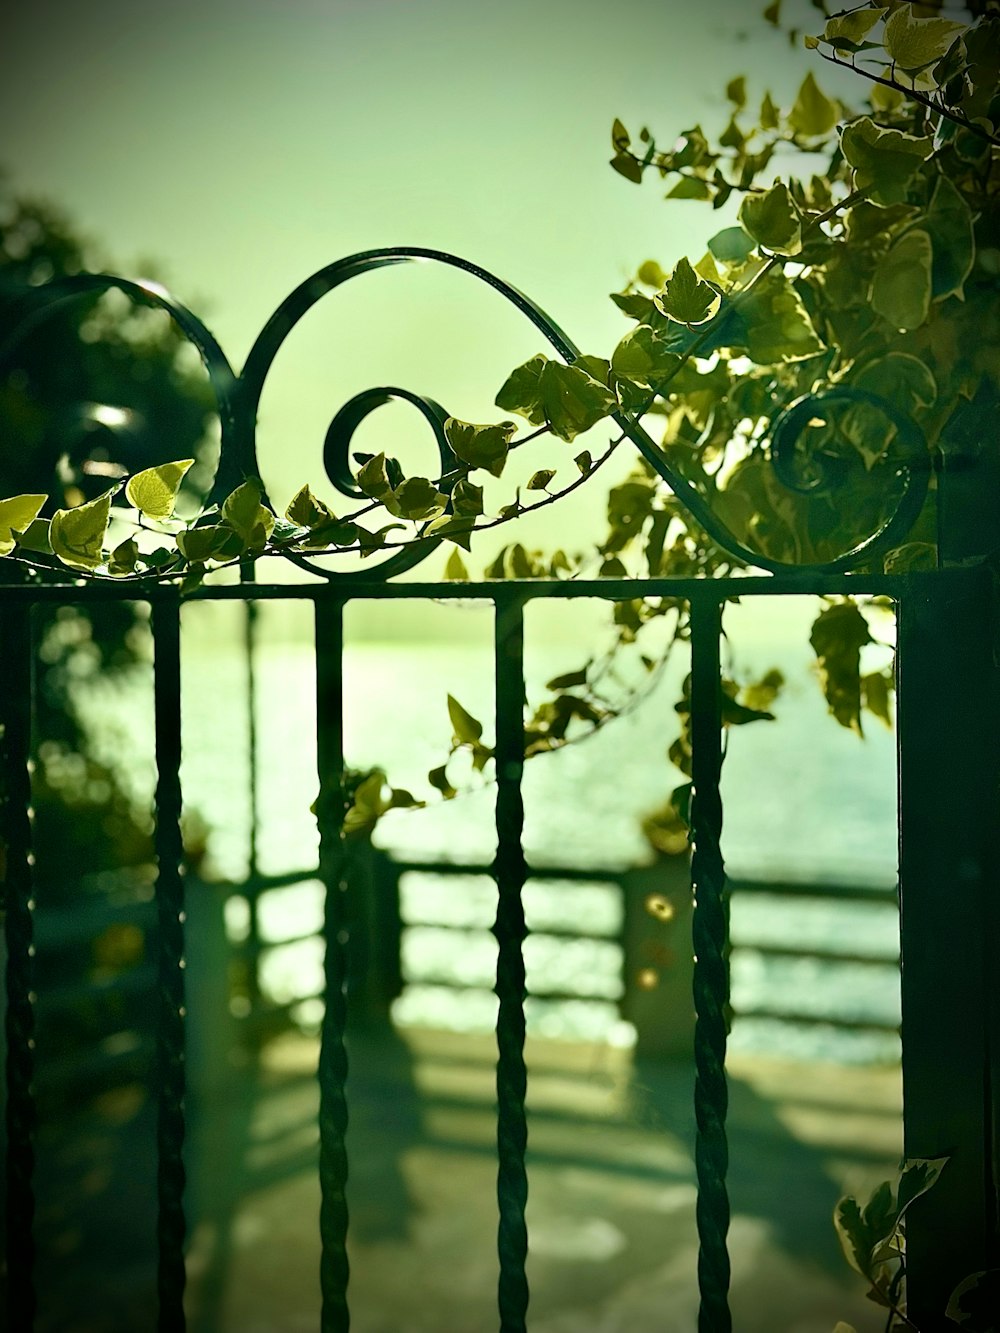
x: 238, y: 147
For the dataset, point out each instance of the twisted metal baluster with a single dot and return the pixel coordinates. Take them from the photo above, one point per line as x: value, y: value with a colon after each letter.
x: 170, y: 1130
x: 710, y: 929
x: 20, y: 1019
x: 509, y: 929
x: 332, y: 1073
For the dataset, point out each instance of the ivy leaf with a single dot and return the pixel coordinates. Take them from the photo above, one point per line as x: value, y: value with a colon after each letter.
x: 976, y: 1299
x: 913, y: 43
x: 626, y: 165
x: 374, y: 479
x: 154, y: 490
x: 541, y: 479
x: 245, y: 514
x: 732, y: 245
x: 17, y: 514
x: 901, y: 287
x: 854, y: 26
x: 369, y: 542
x: 643, y: 357
x: 690, y: 187
x: 813, y: 113
x: 467, y: 498
x: 686, y: 299
x: 458, y: 530
x: 35, y: 537
x: 917, y: 1177
x: 123, y: 558
x: 213, y: 542
x: 597, y: 367
x: 854, y: 1235
x: 884, y: 160
x: 468, y: 730
x: 565, y: 398
x: 948, y: 222
x: 584, y: 462
x: 776, y: 326
x: 481, y: 446
x: 416, y: 498
x: 773, y: 220
x: 633, y: 304
x: 620, y: 139
x: 902, y: 379
x: 568, y: 680
x: 455, y: 569
x: 876, y: 689
x: 77, y: 535
x: 306, y: 510
x: 736, y: 91
x: 768, y: 115
x: 838, y: 635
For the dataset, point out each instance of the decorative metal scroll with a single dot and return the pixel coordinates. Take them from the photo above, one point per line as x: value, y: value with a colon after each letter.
x: 238, y: 399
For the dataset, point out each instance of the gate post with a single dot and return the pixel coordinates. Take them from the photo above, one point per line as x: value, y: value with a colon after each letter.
x: 949, y: 782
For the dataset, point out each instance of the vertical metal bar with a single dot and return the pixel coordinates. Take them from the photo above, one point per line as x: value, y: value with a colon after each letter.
x: 333, y: 1166
x: 509, y: 870
x: 253, y: 790
x: 166, y: 625
x: 949, y: 774
x: 710, y: 929
x: 16, y: 711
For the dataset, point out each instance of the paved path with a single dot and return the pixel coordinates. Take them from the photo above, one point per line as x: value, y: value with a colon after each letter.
x: 611, y: 1206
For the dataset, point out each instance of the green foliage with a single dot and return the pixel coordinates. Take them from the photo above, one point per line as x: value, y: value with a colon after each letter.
x: 566, y: 399
x: 874, y: 267
x: 154, y: 490
x: 873, y: 1236
x: 17, y: 514
x: 873, y: 1239
x: 77, y: 535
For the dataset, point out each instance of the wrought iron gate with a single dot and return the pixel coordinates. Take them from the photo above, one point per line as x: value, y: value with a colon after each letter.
x: 948, y: 820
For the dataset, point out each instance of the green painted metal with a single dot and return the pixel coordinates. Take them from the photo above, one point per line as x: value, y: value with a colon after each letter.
x: 169, y: 845
x: 947, y: 831
x: 15, y: 713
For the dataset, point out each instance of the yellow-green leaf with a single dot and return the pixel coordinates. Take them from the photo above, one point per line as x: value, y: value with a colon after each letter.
x: 480, y: 446
x: 541, y: 479
x: 374, y: 479
x: 468, y: 730
x: 306, y: 510
x: 455, y: 569
x: 686, y: 299
x: 154, y: 490
x: 901, y: 288
x: 853, y: 26
x: 245, y: 514
x: 813, y: 113
x: 773, y: 220
x: 777, y: 324
x: 565, y: 398
x: 913, y: 43
x: 416, y: 498
x: 16, y: 514
x: 77, y: 535
x: 123, y: 558
x: 884, y: 160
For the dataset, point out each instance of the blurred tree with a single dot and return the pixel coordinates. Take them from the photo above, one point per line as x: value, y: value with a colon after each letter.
x: 96, y: 389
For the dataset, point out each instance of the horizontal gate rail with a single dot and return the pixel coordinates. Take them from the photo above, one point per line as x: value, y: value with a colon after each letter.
x: 935, y: 855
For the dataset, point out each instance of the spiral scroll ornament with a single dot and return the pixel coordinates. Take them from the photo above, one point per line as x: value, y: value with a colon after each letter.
x: 238, y: 399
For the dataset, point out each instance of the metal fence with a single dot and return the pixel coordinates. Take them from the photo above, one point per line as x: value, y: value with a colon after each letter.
x: 948, y: 765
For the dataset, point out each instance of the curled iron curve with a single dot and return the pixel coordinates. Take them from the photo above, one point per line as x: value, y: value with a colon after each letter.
x: 43, y: 302
x: 239, y: 399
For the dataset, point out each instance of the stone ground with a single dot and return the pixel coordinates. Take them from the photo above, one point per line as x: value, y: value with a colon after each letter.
x: 613, y: 1245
